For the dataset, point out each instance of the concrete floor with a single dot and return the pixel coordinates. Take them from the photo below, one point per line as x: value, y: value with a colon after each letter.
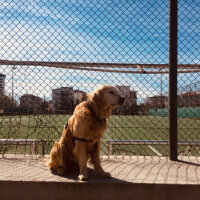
x: 138, y: 178
x: 156, y: 170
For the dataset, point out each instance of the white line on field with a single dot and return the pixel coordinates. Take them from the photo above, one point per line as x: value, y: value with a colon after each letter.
x: 154, y: 150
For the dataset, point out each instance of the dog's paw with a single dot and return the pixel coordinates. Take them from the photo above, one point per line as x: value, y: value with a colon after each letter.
x: 104, y: 174
x: 82, y: 177
x: 60, y: 171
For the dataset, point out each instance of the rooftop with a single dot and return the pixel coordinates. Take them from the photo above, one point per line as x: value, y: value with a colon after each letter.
x: 2, y: 75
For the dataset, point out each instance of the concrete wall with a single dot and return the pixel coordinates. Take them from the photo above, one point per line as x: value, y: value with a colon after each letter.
x: 96, y: 190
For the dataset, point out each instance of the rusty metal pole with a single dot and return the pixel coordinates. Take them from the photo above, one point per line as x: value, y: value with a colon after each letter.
x: 173, y: 136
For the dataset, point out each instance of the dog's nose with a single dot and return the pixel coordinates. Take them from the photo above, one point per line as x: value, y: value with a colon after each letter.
x: 121, y: 100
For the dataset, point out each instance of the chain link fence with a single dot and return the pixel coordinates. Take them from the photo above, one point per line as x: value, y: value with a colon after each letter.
x: 188, y: 84
x: 54, y: 52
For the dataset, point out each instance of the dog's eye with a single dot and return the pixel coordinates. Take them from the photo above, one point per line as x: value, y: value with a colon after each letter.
x: 111, y: 92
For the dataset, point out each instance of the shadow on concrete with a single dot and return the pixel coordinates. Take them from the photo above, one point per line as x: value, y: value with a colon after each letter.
x: 189, y: 163
x: 92, y: 177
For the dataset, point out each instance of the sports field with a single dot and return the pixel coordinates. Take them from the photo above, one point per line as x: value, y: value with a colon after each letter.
x: 49, y: 128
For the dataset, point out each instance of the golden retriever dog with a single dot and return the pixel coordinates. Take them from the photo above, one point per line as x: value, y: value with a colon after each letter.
x: 81, y: 137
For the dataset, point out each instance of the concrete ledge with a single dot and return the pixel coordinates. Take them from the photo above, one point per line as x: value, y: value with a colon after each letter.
x: 102, y: 190
x: 152, y: 178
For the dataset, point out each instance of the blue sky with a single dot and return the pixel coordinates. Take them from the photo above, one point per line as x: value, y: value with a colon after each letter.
x: 92, y: 31
x: 96, y: 31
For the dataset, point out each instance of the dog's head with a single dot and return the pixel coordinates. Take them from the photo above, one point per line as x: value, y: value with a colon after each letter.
x: 106, y: 98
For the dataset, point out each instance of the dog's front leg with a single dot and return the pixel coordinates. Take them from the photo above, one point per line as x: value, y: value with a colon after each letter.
x: 95, y: 158
x: 81, y: 154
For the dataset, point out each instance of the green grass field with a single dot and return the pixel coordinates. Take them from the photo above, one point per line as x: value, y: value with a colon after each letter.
x: 49, y: 127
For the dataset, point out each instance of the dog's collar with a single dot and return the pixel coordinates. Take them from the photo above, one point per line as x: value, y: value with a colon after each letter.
x: 90, y: 108
x: 77, y: 138
x: 80, y: 139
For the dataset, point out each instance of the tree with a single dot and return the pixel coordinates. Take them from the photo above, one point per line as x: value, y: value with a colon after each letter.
x: 7, y: 102
x: 44, y: 106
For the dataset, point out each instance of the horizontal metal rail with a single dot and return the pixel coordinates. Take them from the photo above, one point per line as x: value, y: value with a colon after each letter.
x: 148, y: 127
x: 32, y: 142
x: 111, y: 143
x: 151, y: 142
x: 18, y: 141
x: 191, y: 68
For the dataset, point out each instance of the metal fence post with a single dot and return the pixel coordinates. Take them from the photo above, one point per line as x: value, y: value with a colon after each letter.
x: 173, y: 136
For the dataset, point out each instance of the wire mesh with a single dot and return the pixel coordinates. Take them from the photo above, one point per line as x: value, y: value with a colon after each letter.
x: 54, y: 52
x: 188, y: 84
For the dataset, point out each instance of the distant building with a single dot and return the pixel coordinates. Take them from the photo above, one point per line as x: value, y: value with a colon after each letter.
x: 189, y: 99
x: 2, y: 83
x: 79, y: 96
x: 130, y: 102
x: 130, y: 95
x: 63, y: 100
x: 32, y: 102
x: 157, y: 102
x: 123, y: 90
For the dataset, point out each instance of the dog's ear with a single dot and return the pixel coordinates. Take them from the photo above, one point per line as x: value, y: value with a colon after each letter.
x: 95, y: 97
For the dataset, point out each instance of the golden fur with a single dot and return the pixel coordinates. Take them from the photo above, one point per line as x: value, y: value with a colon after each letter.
x: 71, y: 154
